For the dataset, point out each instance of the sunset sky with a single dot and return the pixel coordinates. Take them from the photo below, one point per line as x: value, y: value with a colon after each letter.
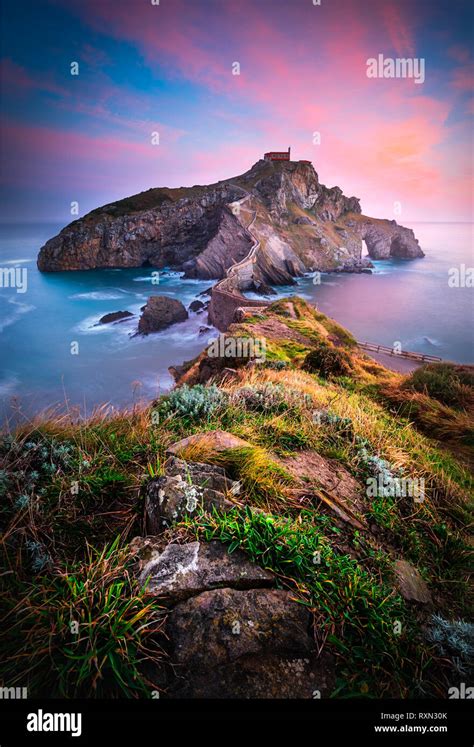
x: 168, y: 68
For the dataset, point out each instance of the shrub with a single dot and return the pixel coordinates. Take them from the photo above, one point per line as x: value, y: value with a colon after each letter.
x: 327, y: 361
x: 269, y: 398
x: 194, y: 402
x: 276, y: 365
x: 449, y: 384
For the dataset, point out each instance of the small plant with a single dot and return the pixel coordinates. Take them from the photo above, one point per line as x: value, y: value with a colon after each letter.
x: 156, y: 470
x: 268, y: 398
x: 195, y: 402
x: 327, y: 361
x: 262, y: 398
x: 276, y: 365
x: 454, y: 638
x: 40, y: 559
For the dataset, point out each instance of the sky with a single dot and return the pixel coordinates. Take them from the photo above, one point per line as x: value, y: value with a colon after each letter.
x: 157, y: 101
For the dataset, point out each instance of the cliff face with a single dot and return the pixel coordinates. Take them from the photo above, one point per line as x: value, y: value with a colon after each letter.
x: 300, y: 225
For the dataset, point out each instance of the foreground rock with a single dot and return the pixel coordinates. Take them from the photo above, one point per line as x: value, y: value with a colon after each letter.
x: 245, y: 644
x: 170, y: 499
x: 115, y: 316
x: 327, y: 480
x: 411, y: 584
x: 196, y: 306
x: 182, y: 571
x: 214, y: 441
x: 160, y: 312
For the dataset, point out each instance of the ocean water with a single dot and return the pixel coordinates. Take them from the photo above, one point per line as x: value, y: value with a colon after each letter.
x: 406, y: 301
x: 37, y: 329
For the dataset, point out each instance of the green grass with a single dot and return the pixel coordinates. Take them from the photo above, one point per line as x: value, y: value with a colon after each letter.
x: 84, y: 630
x: 353, y: 611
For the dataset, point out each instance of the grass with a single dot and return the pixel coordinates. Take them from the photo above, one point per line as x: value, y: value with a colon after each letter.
x: 352, y: 611
x: 84, y: 630
x: 449, y: 384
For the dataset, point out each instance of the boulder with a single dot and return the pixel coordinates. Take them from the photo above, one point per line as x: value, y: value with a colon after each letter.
x: 182, y: 571
x: 202, y: 475
x: 412, y: 586
x: 216, y: 441
x: 170, y: 498
x: 115, y: 316
x: 160, y: 312
x: 196, y: 306
x: 229, y: 643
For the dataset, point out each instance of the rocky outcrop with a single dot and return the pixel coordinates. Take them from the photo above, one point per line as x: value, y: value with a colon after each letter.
x: 363, y: 265
x: 170, y: 499
x: 301, y: 224
x: 171, y: 234
x: 228, y: 643
x: 386, y: 239
x: 188, y: 487
x: 160, y: 312
x: 230, y: 633
x: 182, y: 571
x: 115, y: 316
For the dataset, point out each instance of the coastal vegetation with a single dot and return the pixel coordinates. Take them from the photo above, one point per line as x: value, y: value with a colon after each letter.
x: 73, y: 498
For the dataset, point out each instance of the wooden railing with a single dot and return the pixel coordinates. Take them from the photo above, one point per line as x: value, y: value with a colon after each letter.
x: 402, y: 353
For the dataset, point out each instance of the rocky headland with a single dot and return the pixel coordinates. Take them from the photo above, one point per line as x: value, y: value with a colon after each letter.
x: 300, y: 226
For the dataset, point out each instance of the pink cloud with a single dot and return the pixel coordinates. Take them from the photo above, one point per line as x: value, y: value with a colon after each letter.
x: 300, y: 72
x: 399, y: 28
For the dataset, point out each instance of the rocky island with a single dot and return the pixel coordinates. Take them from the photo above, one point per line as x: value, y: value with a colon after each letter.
x: 298, y: 224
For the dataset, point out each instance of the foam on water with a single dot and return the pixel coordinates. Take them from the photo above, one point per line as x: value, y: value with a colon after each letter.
x: 99, y: 296
x: 16, y: 261
x: 22, y: 308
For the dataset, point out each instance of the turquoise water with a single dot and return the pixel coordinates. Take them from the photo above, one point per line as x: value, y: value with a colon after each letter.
x: 409, y: 302
x: 38, y: 327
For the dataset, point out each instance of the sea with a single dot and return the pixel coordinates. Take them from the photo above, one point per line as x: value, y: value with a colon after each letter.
x: 55, y: 354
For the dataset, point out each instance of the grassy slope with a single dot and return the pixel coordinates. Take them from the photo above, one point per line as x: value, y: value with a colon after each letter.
x: 66, y: 487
